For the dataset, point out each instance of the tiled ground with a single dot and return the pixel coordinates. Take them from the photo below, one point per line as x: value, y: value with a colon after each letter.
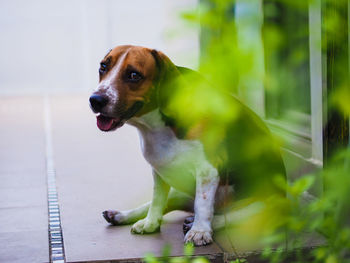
x: 23, y: 202
x: 94, y: 171
x: 98, y: 171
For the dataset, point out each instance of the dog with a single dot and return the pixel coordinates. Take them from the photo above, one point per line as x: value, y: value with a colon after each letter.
x: 194, y: 151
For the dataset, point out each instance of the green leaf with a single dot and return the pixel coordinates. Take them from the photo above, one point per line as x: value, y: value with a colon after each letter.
x: 200, y: 260
x: 301, y: 185
x: 239, y: 260
x: 149, y: 258
x: 178, y: 260
x: 166, y: 251
x: 331, y: 259
x: 188, y: 249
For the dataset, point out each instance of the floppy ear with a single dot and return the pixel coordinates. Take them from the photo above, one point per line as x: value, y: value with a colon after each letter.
x: 167, y: 80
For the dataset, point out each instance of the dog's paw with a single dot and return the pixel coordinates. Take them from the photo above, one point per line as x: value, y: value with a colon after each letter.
x: 199, y: 237
x: 145, y: 226
x: 113, y: 217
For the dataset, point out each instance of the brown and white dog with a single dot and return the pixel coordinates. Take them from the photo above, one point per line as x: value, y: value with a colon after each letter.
x: 136, y: 87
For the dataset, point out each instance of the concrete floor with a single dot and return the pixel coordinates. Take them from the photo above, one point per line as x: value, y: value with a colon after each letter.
x: 23, y: 201
x: 94, y: 171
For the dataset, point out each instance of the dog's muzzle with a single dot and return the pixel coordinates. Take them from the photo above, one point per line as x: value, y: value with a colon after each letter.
x: 109, y: 123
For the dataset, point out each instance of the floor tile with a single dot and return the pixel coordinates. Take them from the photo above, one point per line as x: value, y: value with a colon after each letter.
x: 23, y: 205
x: 98, y: 171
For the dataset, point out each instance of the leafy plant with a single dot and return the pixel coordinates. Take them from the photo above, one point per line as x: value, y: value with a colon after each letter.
x: 232, y: 63
x: 187, y: 257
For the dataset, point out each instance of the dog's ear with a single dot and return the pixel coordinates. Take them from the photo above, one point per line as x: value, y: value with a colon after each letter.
x: 167, y: 79
x: 168, y: 83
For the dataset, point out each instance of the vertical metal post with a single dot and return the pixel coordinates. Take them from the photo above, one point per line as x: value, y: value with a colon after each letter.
x: 315, y: 31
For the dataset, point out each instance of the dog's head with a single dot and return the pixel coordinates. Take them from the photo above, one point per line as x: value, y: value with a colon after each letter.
x: 130, y: 80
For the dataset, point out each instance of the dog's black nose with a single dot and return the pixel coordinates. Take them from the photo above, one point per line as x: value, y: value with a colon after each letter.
x: 97, y: 102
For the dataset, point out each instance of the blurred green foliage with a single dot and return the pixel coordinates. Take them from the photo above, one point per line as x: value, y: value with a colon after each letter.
x: 187, y: 258
x: 270, y: 52
x: 327, y: 215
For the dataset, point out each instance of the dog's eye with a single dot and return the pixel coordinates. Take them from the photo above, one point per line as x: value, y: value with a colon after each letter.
x: 134, y: 76
x: 103, y: 68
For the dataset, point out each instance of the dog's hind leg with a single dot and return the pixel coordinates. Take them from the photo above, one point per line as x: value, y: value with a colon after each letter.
x: 126, y: 217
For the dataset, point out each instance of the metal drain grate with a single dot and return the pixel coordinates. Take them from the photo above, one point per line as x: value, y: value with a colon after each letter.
x: 56, y: 245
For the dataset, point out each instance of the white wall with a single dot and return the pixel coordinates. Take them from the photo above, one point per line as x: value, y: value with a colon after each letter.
x: 55, y: 46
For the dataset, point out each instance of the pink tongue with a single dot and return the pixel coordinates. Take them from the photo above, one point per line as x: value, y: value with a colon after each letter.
x: 104, y: 123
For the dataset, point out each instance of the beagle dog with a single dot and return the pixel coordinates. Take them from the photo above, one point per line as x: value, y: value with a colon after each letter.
x: 194, y: 151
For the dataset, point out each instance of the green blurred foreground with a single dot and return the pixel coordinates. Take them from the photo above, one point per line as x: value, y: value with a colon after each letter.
x: 259, y: 51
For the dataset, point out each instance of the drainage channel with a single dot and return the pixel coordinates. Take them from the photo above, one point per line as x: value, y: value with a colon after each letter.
x: 56, y: 246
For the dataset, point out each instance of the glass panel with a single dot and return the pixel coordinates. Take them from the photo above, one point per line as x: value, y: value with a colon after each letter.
x: 286, y: 46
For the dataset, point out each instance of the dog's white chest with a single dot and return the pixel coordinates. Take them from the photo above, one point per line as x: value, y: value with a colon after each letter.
x: 176, y: 161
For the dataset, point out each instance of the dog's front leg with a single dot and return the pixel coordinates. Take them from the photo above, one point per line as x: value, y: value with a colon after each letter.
x: 201, y: 231
x: 154, y: 216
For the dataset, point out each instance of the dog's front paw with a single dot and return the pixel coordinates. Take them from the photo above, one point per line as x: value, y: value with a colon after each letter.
x: 199, y: 237
x: 145, y: 226
x: 113, y: 217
